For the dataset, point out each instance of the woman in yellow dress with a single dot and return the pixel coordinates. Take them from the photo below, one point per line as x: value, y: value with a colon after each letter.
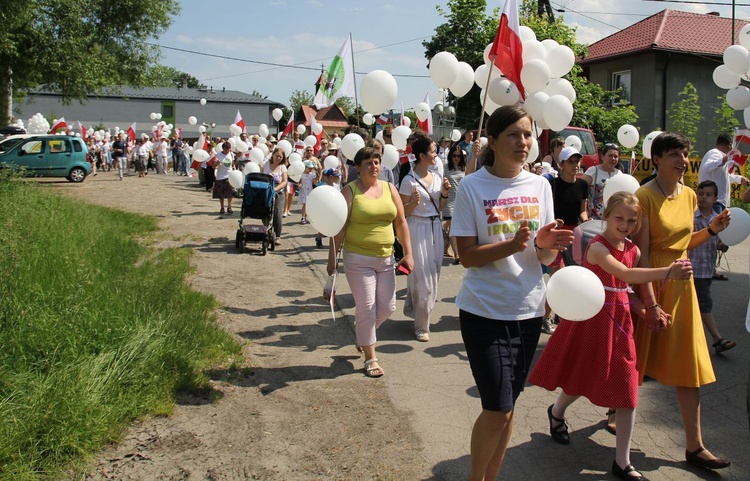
x: 671, y: 344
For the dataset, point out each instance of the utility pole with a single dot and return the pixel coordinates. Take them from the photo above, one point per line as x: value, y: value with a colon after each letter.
x: 543, y: 7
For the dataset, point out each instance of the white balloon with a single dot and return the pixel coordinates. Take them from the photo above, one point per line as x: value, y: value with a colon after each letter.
x: 378, y: 91
x: 263, y: 147
x: 486, y: 54
x: 236, y: 179
x: 295, y: 170
x: 317, y: 129
x: 310, y: 141
x: 489, y: 104
x: 455, y: 135
x: 250, y: 168
x: 200, y: 155
x: 235, y: 129
x: 526, y: 33
x: 351, y: 144
x: 301, y: 129
x: 192, y: 120
x: 390, y: 156
x: 337, y: 141
x: 620, y: 183
x: 735, y: 57
x: 158, y: 116
x: 535, y: 75
x: 295, y: 157
x: 746, y: 117
x: 263, y: 130
x: 202, y: 129
x: 558, y: 111
x: 503, y: 92
x: 533, y: 49
x: 277, y: 114
x: 423, y: 111
x: 575, y: 293
x: 561, y: 86
x: 738, y: 229
x: 368, y: 119
x: 443, y: 69
x: 399, y: 136
x: 628, y: 136
x: 331, y: 162
x: 241, y: 146
x: 327, y: 210
x: 533, y: 151
x: 647, y: 141
x: 724, y: 78
x: 379, y: 137
x: 560, y: 60
x: 153, y: 115
x: 203, y: 101
x: 464, y: 80
x: 481, y: 73
x: 549, y: 44
x: 744, y: 36
x: 257, y: 155
x: 738, y: 98
x: 573, y: 141
x: 407, y: 121
x: 285, y: 147
x: 534, y: 105
x: 482, y: 141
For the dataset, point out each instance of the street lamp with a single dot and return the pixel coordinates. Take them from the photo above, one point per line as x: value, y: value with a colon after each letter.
x: 445, y: 114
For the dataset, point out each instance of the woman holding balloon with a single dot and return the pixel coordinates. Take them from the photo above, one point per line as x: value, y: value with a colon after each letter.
x: 505, y: 228
x: 598, y: 175
x: 375, y: 211
x: 674, y: 353
x: 276, y: 166
x: 222, y: 188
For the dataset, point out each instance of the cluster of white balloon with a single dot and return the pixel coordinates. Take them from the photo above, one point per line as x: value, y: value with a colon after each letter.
x: 736, y: 67
x: 37, y: 124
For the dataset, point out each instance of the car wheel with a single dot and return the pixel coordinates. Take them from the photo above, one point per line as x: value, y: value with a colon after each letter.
x: 77, y: 174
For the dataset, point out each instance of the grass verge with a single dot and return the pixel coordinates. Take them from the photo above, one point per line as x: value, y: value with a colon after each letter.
x: 95, y: 329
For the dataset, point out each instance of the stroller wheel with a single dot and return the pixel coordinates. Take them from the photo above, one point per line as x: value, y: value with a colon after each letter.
x: 271, y: 240
x: 263, y: 247
x: 243, y: 243
x: 238, y: 238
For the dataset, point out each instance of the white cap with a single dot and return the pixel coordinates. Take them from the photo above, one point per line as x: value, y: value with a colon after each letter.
x: 567, y: 152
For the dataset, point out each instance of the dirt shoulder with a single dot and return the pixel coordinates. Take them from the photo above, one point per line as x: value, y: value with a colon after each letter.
x: 303, y: 410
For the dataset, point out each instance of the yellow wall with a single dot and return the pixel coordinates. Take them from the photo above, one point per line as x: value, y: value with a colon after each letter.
x: 691, y: 176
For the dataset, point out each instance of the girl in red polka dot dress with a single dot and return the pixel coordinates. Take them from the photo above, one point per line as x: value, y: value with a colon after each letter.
x: 596, y: 358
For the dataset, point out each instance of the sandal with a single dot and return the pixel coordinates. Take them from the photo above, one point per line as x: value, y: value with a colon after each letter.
x: 723, y: 345
x: 230, y: 211
x: 371, y: 371
x: 719, y: 277
x: 558, y: 432
x: 611, y: 426
x: 693, y: 459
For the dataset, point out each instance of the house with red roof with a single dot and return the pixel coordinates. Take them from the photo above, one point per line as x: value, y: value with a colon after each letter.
x: 653, y: 60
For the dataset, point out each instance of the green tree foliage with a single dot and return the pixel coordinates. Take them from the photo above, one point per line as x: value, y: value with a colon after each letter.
x: 79, y: 48
x: 725, y: 120
x: 684, y: 114
x: 258, y: 94
x: 163, y: 76
x: 300, y: 98
x: 467, y: 32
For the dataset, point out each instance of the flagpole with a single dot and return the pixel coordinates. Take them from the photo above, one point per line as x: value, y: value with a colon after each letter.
x: 354, y: 77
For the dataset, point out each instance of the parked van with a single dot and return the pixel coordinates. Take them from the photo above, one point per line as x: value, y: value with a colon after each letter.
x: 589, y: 149
x: 41, y: 155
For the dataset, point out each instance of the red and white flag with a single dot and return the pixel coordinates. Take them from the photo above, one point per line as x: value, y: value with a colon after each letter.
x: 289, y: 127
x: 131, y: 132
x: 426, y: 124
x: 178, y: 131
x: 238, y: 121
x: 58, y: 124
x: 507, y: 49
x: 82, y: 129
x: 318, y: 137
x: 383, y: 119
x: 742, y: 137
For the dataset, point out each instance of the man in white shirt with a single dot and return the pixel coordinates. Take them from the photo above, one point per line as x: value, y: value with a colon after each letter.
x: 714, y: 167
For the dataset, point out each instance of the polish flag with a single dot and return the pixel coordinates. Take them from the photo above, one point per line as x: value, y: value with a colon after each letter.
x: 82, y: 129
x: 59, y: 124
x: 742, y: 137
x: 507, y: 50
x: 318, y: 137
x: 426, y: 125
x: 383, y: 119
x: 238, y: 121
x: 131, y: 132
x: 289, y: 127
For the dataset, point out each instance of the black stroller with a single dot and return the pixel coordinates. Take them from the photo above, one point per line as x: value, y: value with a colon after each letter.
x: 257, y: 203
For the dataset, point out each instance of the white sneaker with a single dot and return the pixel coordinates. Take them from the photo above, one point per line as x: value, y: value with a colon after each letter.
x: 423, y: 336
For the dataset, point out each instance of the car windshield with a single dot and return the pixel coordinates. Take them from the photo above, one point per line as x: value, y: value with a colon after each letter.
x: 587, y: 140
x: 8, y: 144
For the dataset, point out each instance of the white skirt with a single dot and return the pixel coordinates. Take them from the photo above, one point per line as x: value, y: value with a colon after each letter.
x: 422, y: 284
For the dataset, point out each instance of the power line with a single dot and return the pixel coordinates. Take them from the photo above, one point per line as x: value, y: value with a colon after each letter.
x: 700, y: 3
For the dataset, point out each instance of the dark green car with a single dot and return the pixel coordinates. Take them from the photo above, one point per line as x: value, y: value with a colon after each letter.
x: 46, y: 156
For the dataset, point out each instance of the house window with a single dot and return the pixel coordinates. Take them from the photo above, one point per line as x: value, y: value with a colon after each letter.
x: 621, y: 80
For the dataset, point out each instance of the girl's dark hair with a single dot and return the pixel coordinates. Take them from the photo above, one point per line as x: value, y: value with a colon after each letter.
x: 608, y: 147
x: 365, y: 153
x: 667, y: 141
x: 461, y: 162
x: 501, y: 119
x: 421, y: 146
x: 556, y: 142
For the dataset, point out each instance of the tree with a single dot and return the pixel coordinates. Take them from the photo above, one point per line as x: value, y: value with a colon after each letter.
x: 725, y: 120
x: 684, y: 114
x: 78, y: 48
x: 163, y: 76
x: 255, y: 93
x: 300, y: 98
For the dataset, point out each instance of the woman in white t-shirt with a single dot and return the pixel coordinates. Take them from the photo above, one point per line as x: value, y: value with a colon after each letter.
x: 597, y: 175
x: 503, y: 221
x: 222, y: 188
x: 277, y: 168
x: 424, y: 193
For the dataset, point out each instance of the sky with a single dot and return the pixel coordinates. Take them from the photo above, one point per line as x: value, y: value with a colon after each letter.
x: 387, y: 35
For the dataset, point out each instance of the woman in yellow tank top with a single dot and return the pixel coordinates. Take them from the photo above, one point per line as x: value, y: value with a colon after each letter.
x: 375, y: 209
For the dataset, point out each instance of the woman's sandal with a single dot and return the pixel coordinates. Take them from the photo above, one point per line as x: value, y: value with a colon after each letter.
x: 371, y: 371
x: 559, y: 431
x: 723, y: 345
x: 611, y: 425
x: 693, y: 458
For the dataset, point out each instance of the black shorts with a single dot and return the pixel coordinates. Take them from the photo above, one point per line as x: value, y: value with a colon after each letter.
x: 500, y: 354
x: 703, y: 289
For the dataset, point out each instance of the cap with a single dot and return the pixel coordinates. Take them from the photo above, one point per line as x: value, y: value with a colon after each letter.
x: 333, y: 146
x: 332, y: 172
x: 272, y: 139
x: 445, y: 139
x: 567, y: 152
